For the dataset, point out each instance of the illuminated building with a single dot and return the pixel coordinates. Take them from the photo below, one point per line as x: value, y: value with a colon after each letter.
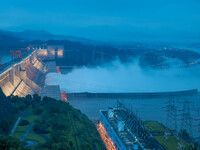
x: 124, y: 131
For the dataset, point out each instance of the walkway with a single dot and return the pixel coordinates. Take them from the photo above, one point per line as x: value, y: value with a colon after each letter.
x: 27, y: 132
x: 13, y: 130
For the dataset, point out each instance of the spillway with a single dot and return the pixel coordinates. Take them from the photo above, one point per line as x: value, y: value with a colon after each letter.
x: 23, y: 78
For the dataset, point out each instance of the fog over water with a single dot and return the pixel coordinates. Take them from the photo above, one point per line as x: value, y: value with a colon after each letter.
x: 117, y: 77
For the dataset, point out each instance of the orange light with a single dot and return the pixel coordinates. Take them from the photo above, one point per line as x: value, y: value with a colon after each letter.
x: 42, y: 53
x: 105, y: 137
x: 60, y: 53
x: 64, y: 97
x: 58, y: 69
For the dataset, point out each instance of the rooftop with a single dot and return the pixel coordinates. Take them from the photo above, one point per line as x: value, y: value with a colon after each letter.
x: 134, y: 132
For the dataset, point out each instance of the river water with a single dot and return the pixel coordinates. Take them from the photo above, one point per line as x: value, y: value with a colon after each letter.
x: 147, y: 109
x: 5, y: 58
x: 119, y: 78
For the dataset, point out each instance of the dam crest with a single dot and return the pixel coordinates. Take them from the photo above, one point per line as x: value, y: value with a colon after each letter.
x: 27, y: 76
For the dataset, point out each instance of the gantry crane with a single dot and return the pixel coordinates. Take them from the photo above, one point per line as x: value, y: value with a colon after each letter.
x: 19, y: 54
x: 12, y: 53
x: 26, y: 50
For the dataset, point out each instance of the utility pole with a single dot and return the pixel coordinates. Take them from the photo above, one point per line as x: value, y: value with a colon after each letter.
x: 174, y: 115
x: 168, y: 118
x: 188, y: 118
x: 198, y: 128
x: 186, y: 122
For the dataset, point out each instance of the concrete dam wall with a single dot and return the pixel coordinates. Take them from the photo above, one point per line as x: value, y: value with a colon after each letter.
x: 25, y: 77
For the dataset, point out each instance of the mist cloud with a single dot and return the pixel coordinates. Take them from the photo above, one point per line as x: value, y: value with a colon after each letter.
x: 116, y: 77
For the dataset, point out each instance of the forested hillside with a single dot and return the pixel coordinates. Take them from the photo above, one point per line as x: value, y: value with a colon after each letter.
x: 45, y: 124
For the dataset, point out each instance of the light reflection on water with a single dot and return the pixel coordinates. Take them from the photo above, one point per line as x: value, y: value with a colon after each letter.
x: 147, y: 109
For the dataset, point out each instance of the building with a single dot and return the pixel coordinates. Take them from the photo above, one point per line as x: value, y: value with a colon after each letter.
x: 126, y: 130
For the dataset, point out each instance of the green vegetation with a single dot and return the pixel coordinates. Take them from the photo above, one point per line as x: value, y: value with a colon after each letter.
x: 21, y: 128
x: 35, y: 137
x: 170, y: 144
x: 55, y: 124
x: 17, y: 135
x: 9, y: 143
x: 157, y: 130
x: 31, y: 118
x: 24, y: 123
x: 154, y: 127
x: 60, y: 119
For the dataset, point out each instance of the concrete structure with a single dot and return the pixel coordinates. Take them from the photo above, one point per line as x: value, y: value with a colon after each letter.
x: 132, y: 95
x: 126, y: 131
x: 21, y: 78
x: 52, y: 91
x: 51, y: 67
x: 111, y: 126
x: 55, y: 51
x: 28, y: 75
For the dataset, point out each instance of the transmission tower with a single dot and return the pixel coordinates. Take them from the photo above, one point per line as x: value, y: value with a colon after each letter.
x: 171, y: 118
x: 186, y: 123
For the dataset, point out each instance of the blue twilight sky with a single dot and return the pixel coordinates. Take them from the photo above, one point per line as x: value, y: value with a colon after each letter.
x: 114, y: 20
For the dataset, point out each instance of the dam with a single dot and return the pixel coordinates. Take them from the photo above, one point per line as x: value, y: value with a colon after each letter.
x: 27, y: 76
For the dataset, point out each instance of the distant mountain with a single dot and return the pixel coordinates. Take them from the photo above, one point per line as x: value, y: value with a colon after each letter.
x: 6, y: 37
x: 43, y: 35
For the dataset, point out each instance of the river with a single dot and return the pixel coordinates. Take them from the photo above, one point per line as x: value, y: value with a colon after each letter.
x: 5, y: 59
x: 147, y: 109
x: 119, y: 78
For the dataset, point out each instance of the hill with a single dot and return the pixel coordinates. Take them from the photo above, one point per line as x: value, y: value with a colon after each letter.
x: 82, y: 52
x: 47, y: 124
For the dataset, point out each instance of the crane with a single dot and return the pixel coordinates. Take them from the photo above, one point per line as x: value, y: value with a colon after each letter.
x: 22, y: 51
x: 19, y: 54
x: 26, y: 51
x: 12, y: 53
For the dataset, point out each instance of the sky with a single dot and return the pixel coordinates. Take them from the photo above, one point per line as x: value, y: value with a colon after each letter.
x: 114, y: 20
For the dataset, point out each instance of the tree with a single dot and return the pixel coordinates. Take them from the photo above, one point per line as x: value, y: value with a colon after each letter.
x: 4, y: 124
x: 9, y: 143
x: 70, y: 144
x: 28, y: 100
x: 2, y: 95
x: 36, y: 98
x: 184, y: 135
